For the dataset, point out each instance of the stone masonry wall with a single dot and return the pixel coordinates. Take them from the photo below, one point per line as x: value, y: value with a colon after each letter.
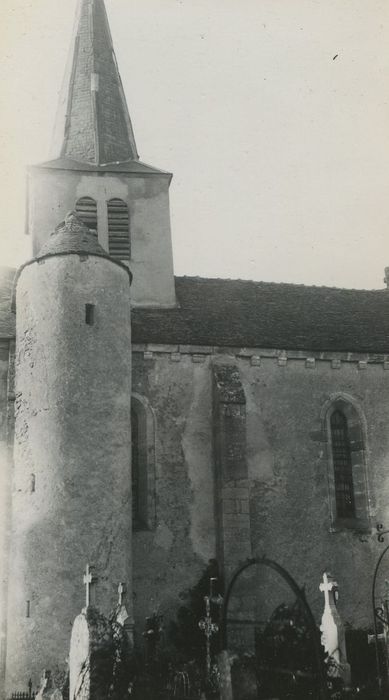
x: 287, y: 472
x: 6, y: 433
x: 72, y: 475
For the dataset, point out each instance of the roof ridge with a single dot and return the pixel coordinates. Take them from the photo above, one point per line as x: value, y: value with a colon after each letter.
x: 277, y: 284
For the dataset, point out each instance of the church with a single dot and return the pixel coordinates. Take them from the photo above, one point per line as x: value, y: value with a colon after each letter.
x: 150, y: 423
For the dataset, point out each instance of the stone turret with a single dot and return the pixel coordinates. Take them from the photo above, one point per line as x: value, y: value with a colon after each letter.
x: 72, y: 479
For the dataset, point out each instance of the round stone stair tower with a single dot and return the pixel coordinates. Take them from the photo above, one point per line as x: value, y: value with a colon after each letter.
x: 72, y: 477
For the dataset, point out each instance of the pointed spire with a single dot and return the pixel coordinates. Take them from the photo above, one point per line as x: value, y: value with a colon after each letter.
x: 93, y: 123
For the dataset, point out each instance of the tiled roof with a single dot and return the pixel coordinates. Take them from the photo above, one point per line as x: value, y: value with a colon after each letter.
x: 93, y: 122
x: 7, y: 318
x: 129, y: 166
x: 241, y: 313
x: 72, y: 236
x: 238, y: 313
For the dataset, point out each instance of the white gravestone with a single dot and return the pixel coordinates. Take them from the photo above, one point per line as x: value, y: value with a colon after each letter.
x: 91, y: 657
x: 332, y: 631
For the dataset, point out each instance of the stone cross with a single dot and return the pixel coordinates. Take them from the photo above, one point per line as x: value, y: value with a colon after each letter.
x: 89, y: 581
x: 333, y: 636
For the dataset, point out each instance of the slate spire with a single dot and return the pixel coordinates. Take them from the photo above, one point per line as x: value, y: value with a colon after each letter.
x: 93, y: 123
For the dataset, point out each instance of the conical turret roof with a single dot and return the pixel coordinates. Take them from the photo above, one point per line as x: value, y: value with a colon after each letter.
x: 93, y: 123
x: 72, y: 236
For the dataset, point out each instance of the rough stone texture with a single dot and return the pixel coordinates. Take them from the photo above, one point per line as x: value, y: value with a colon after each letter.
x: 7, y: 318
x: 5, y: 480
x: 230, y: 457
x: 53, y: 193
x: 73, y: 388
x: 93, y: 122
x: 232, y: 495
x: 171, y: 558
x: 287, y: 482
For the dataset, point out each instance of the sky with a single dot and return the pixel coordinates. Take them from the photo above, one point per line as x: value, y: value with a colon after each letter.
x: 272, y: 115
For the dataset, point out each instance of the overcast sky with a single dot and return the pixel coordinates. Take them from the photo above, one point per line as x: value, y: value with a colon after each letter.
x: 273, y: 116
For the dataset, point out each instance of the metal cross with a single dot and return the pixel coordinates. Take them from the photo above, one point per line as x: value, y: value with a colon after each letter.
x: 208, y: 627
x: 89, y: 579
x: 382, y: 613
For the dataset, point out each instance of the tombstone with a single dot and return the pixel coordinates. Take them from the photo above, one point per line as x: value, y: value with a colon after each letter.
x: 47, y: 690
x: 91, y: 657
x: 244, y: 678
x: 123, y: 638
x: 121, y: 615
x: 333, y: 637
x: 224, y: 666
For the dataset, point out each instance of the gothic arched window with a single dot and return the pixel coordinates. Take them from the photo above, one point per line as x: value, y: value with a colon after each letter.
x: 86, y: 208
x: 143, y: 464
x: 346, y: 462
x: 343, y: 468
x: 119, y: 244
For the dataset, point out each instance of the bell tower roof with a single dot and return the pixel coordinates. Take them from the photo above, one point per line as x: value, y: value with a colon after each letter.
x: 93, y: 123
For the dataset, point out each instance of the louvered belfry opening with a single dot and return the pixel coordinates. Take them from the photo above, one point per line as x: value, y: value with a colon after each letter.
x: 86, y: 208
x: 118, y: 230
x: 341, y: 455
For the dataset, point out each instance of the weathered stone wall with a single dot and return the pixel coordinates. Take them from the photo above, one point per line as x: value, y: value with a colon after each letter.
x: 6, y: 434
x: 71, y: 490
x: 290, y: 518
x: 170, y: 558
x: 287, y: 476
x: 53, y: 193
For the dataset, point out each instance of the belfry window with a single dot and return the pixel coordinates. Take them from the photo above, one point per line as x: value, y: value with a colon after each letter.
x: 86, y: 209
x: 119, y: 243
x: 343, y: 472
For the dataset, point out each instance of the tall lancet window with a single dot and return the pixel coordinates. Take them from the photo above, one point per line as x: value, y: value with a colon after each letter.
x: 143, y: 464
x: 86, y: 208
x: 119, y: 243
x: 343, y: 471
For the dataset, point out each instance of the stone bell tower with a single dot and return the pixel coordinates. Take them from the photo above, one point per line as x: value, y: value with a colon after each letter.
x: 71, y: 500
x: 95, y: 167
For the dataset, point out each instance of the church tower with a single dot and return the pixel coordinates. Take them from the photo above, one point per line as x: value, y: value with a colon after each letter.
x: 95, y: 167
x: 71, y: 500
